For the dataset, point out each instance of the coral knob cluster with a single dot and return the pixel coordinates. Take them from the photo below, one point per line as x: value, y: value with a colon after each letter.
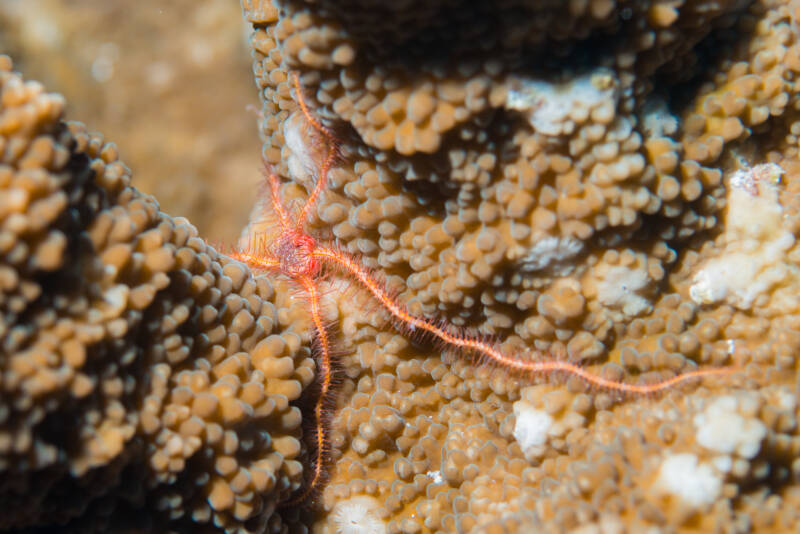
x: 296, y: 255
x: 519, y: 266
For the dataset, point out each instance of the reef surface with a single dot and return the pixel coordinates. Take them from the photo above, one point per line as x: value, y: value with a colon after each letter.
x: 610, y: 182
x: 615, y: 183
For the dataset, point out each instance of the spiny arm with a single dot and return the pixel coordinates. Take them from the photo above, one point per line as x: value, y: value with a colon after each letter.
x: 312, y: 120
x: 275, y: 197
x: 322, y: 181
x: 324, y: 372
x: 463, y: 341
x: 255, y: 260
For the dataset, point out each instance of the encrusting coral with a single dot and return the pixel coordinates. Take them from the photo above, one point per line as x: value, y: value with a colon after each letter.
x: 285, y: 248
x: 558, y: 176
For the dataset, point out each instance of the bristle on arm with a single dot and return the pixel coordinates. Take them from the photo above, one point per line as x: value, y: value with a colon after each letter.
x: 256, y: 254
x: 255, y: 262
x: 330, y: 158
x: 310, y: 118
x: 322, y: 183
x: 324, y: 373
x: 275, y: 196
x: 487, y: 351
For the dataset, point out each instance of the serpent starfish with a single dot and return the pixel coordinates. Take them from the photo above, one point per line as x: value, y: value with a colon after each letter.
x: 298, y: 256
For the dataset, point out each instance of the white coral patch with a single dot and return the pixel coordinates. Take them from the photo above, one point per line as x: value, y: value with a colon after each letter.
x: 555, y: 108
x: 619, y: 288
x: 115, y: 299
x: 657, y: 121
x: 551, y: 253
x: 531, y: 428
x: 300, y: 161
x: 358, y: 515
x: 721, y: 428
x: 722, y: 463
x: 695, y: 484
x: 435, y: 476
x: 740, y: 278
x: 785, y: 400
x: 755, y: 260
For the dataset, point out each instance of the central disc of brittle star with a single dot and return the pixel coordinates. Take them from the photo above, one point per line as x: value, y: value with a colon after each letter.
x: 295, y: 251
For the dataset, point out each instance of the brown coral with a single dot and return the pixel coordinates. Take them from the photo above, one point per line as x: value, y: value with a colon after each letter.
x: 146, y: 379
x: 582, y: 232
x: 551, y: 174
x: 481, y: 171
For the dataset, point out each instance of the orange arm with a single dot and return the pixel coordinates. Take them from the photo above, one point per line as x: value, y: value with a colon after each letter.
x: 322, y: 181
x: 463, y: 341
x: 255, y: 261
x: 324, y: 374
x: 275, y: 197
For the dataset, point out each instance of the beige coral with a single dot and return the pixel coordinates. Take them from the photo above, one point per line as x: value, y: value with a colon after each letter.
x: 465, y: 159
x: 553, y: 175
x: 146, y: 379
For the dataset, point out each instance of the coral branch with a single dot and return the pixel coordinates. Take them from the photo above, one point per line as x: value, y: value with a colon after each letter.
x: 138, y: 365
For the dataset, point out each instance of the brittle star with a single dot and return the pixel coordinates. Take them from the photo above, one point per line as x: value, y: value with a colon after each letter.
x: 298, y: 256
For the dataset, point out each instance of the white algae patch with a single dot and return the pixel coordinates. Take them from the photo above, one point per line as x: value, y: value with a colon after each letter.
x: 755, y: 259
x: 721, y: 428
x: 555, y: 108
x: 682, y: 476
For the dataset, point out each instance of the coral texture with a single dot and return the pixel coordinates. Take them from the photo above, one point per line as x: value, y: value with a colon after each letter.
x: 568, y: 176
x: 145, y: 380
x: 516, y: 192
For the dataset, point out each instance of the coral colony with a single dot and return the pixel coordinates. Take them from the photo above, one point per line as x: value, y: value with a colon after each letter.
x: 151, y: 383
x: 298, y: 256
